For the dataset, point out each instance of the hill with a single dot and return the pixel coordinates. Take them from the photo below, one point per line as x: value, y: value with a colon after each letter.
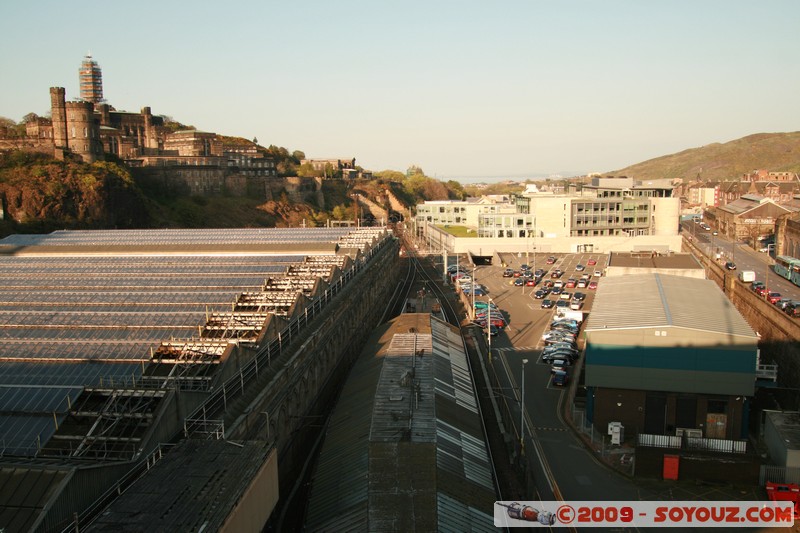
x: 776, y: 152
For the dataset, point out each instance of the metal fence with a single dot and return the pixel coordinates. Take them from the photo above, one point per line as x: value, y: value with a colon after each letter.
x: 692, y: 443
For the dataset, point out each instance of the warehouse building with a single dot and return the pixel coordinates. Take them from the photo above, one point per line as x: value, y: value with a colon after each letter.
x: 669, y: 355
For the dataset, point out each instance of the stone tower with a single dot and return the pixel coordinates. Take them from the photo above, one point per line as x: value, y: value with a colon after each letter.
x: 91, y: 79
x: 83, y: 134
x: 58, y: 112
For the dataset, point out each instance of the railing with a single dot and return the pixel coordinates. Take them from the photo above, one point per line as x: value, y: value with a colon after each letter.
x: 691, y: 443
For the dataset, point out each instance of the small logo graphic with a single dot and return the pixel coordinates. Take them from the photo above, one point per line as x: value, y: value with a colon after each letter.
x: 529, y: 514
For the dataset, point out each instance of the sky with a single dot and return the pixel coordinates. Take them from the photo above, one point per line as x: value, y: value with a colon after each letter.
x: 463, y: 89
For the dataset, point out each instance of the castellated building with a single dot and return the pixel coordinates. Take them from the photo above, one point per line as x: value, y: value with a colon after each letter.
x: 195, y: 162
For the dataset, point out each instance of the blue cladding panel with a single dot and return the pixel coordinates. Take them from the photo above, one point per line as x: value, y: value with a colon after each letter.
x: 703, y: 359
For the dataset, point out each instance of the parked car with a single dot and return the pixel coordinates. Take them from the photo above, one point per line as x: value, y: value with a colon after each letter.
x: 508, y: 273
x: 558, y: 284
x: 579, y: 296
x: 550, y: 260
x: 564, y: 353
x: 591, y: 262
x: 560, y: 347
x: 592, y: 285
x: 580, y: 268
x: 519, y: 282
x: 559, y: 365
x: 575, y: 305
x: 560, y: 378
x: 539, y: 272
x: 730, y: 265
x: 562, y: 304
x: 556, y: 291
x: 530, y: 282
x: 525, y: 267
x: 571, y: 282
x: 598, y: 273
x: 493, y: 330
x: 773, y: 297
x: 582, y: 283
x: 541, y: 293
x: 557, y: 273
x: 782, y: 303
x: 565, y: 296
x: 517, y: 273
x: 547, y: 303
x: 793, y: 309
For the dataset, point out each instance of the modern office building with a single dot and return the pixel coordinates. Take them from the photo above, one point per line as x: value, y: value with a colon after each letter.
x: 607, y: 214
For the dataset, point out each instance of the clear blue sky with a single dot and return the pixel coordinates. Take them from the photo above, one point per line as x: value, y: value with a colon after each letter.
x: 459, y: 88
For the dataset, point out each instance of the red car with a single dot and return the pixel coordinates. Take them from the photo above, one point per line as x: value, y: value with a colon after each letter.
x: 592, y: 284
x: 591, y: 262
x: 571, y: 282
x: 551, y: 260
x: 773, y: 297
x: 530, y: 282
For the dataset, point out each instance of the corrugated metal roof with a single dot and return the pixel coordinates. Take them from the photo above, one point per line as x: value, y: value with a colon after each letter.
x: 659, y: 300
x: 389, y: 429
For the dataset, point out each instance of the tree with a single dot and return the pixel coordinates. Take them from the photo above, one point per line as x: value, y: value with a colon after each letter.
x: 298, y: 156
x: 414, y: 170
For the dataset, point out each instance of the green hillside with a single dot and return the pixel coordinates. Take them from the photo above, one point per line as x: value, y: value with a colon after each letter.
x: 776, y: 152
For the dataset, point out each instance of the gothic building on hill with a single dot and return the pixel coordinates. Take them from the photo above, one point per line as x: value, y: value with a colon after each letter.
x: 92, y: 129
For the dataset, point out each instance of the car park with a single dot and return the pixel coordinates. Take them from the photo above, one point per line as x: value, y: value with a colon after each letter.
x: 547, y: 303
x: 560, y: 378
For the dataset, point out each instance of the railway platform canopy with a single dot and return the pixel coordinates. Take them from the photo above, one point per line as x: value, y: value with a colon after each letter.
x: 103, y: 331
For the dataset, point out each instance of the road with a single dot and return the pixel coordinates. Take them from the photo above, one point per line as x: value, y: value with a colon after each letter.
x: 743, y: 256
x: 562, y: 466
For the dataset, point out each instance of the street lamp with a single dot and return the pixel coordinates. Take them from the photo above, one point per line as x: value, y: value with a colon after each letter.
x: 522, y: 410
x: 474, y: 268
x: 489, y: 327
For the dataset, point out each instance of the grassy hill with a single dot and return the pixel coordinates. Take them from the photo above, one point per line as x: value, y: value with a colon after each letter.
x: 776, y: 152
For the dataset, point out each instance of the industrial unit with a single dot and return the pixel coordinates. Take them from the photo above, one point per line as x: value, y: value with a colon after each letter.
x: 669, y: 355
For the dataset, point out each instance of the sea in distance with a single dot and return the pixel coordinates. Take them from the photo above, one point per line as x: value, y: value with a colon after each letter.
x: 469, y: 180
